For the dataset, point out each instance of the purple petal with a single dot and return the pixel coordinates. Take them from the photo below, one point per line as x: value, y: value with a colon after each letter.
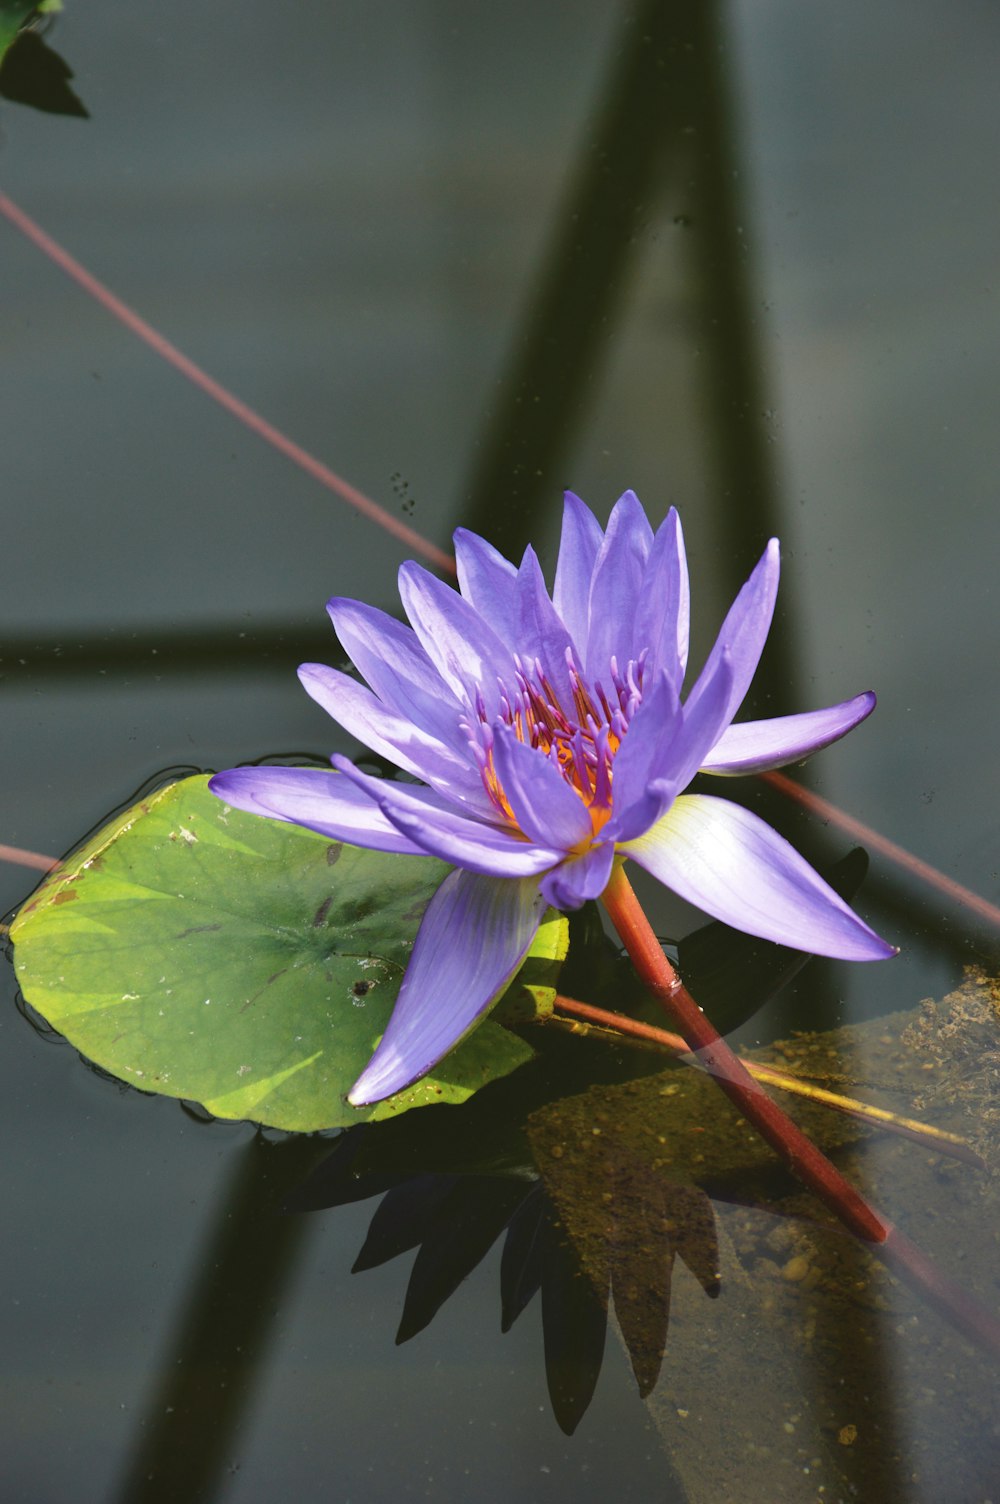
x: 547, y: 809
x: 578, y: 548
x: 356, y: 709
x: 727, y: 861
x: 745, y: 628
x: 616, y: 589
x: 665, y: 748
x: 541, y: 625
x: 321, y: 801
x: 472, y: 939
x: 433, y: 825
x: 644, y: 756
x: 389, y: 657
x: 663, y: 619
x: 485, y: 578
x: 704, y: 717
x: 467, y: 653
x: 754, y: 746
x: 579, y: 877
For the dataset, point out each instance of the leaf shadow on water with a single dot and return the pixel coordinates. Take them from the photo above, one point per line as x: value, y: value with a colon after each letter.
x: 749, y: 1320
x: 453, y: 1220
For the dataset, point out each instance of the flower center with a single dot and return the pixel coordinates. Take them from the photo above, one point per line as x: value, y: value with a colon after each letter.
x: 580, y: 738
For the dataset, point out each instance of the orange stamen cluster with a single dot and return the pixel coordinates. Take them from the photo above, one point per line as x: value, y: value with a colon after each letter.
x: 580, y: 738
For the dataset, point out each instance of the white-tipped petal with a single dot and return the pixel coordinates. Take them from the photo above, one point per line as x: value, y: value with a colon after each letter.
x: 727, y: 861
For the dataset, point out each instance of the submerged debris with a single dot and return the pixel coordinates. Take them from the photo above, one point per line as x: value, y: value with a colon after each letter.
x: 959, y: 1042
x: 792, y: 1384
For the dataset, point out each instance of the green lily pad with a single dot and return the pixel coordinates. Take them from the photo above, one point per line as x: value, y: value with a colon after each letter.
x: 246, y: 964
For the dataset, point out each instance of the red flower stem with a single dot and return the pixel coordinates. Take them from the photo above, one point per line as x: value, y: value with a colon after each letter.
x: 797, y: 1151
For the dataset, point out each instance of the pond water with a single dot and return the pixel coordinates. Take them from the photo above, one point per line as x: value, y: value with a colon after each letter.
x: 739, y: 257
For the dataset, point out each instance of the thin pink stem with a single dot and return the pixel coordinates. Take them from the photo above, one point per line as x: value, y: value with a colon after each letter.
x: 218, y: 393
x: 27, y: 858
x: 905, y: 859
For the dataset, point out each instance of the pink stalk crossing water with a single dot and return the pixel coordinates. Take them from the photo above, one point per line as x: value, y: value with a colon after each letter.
x: 420, y: 545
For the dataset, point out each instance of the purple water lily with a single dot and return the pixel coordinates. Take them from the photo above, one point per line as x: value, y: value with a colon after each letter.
x: 551, y: 740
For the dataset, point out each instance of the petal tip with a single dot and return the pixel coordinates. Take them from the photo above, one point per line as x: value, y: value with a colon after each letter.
x: 384, y: 1075
x: 359, y: 1095
x: 232, y: 780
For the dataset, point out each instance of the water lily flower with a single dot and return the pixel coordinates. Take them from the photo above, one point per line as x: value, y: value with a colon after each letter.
x: 550, y: 738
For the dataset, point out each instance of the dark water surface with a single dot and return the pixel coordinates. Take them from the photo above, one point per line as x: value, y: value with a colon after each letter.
x: 739, y: 257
